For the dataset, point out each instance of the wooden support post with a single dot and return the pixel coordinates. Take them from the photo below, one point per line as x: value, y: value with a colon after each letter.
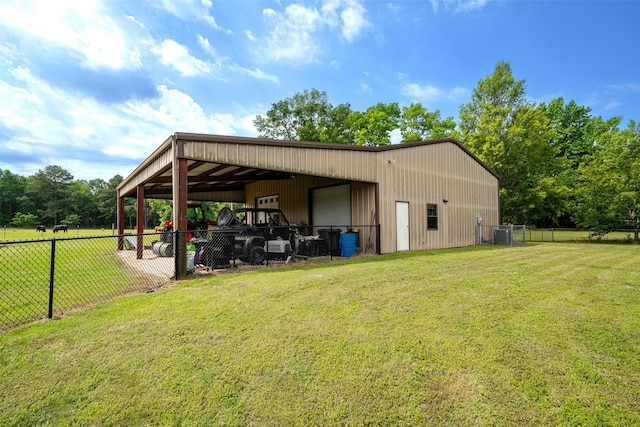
x: 140, y: 222
x: 180, y: 181
x: 120, y: 220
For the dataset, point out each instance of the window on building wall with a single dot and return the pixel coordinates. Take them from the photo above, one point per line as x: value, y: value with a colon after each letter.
x: 432, y: 216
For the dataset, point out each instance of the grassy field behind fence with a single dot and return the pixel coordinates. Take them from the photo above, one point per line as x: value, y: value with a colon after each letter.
x: 568, y: 235
x: 12, y: 233
x: 86, y: 271
x: 547, y: 334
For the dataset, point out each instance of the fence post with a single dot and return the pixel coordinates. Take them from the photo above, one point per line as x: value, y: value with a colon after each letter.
x: 331, y: 242
x: 176, y: 256
x: 511, y: 236
x: 266, y: 243
x: 52, y: 271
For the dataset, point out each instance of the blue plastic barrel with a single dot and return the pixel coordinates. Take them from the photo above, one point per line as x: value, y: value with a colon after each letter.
x: 347, y: 244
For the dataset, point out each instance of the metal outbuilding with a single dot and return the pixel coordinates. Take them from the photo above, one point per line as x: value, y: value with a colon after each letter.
x: 420, y: 195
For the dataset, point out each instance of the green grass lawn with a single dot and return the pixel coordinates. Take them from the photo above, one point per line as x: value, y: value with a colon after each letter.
x: 547, y: 334
x: 86, y: 271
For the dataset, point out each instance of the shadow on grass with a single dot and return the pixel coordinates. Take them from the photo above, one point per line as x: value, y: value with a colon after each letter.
x: 358, y: 259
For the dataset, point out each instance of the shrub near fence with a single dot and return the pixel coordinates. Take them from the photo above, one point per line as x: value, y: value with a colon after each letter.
x: 48, y: 277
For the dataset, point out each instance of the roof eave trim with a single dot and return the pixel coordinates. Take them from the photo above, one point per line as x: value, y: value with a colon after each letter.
x: 153, y: 156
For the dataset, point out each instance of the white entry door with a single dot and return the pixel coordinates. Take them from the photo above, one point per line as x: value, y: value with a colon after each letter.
x: 402, y: 226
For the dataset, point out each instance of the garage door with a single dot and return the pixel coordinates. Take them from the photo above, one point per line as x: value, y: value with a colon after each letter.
x: 332, y: 206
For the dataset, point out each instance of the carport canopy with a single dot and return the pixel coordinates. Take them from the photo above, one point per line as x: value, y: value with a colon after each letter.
x: 205, y: 168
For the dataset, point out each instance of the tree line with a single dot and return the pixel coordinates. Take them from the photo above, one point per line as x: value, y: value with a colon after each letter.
x: 52, y: 196
x: 559, y: 164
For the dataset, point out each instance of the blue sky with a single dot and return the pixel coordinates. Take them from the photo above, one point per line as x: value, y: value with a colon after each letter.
x: 95, y: 86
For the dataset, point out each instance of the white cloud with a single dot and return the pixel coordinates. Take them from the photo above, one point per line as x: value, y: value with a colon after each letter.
x: 250, y: 35
x: 429, y: 93
x: 193, y: 10
x: 46, y: 125
x: 458, y: 6
x: 246, y: 125
x: 291, y: 32
x: 206, y: 46
x: 395, y: 136
x: 612, y: 104
x: 231, y: 65
x: 80, y: 26
x: 171, y: 53
x: 393, y: 8
x: 177, y: 111
x: 296, y: 33
x: 257, y: 73
x: 628, y: 87
x: 354, y: 22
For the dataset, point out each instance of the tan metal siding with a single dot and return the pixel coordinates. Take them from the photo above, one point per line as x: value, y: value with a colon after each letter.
x: 216, y: 196
x: 419, y: 175
x: 294, y: 200
x: 363, y: 205
x: 429, y: 174
x: 294, y: 194
x: 342, y: 164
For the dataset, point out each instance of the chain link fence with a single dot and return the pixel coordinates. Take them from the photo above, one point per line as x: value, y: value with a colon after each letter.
x: 502, y: 235
x: 580, y: 234
x: 224, y: 247
x: 49, y: 277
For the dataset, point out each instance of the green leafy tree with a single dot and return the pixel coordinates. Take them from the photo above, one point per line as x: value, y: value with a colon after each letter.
x: 49, y: 188
x: 373, y: 127
x: 608, y: 189
x: 493, y: 105
x: 577, y: 135
x: 511, y: 135
x: 12, y: 187
x: 418, y: 124
x: 575, y: 131
x: 534, y: 191
x: 162, y: 208
x: 306, y: 116
x: 71, y: 219
x: 27, y: 204
x: 81, y: 202
x: 107, y: 201
x: 24, y: 220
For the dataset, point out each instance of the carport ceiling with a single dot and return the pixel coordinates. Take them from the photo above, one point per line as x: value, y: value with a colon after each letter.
x: 207, y: 176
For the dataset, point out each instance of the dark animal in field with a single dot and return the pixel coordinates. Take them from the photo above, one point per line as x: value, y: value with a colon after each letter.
x: 60, y: 227
x: 40, y: 228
